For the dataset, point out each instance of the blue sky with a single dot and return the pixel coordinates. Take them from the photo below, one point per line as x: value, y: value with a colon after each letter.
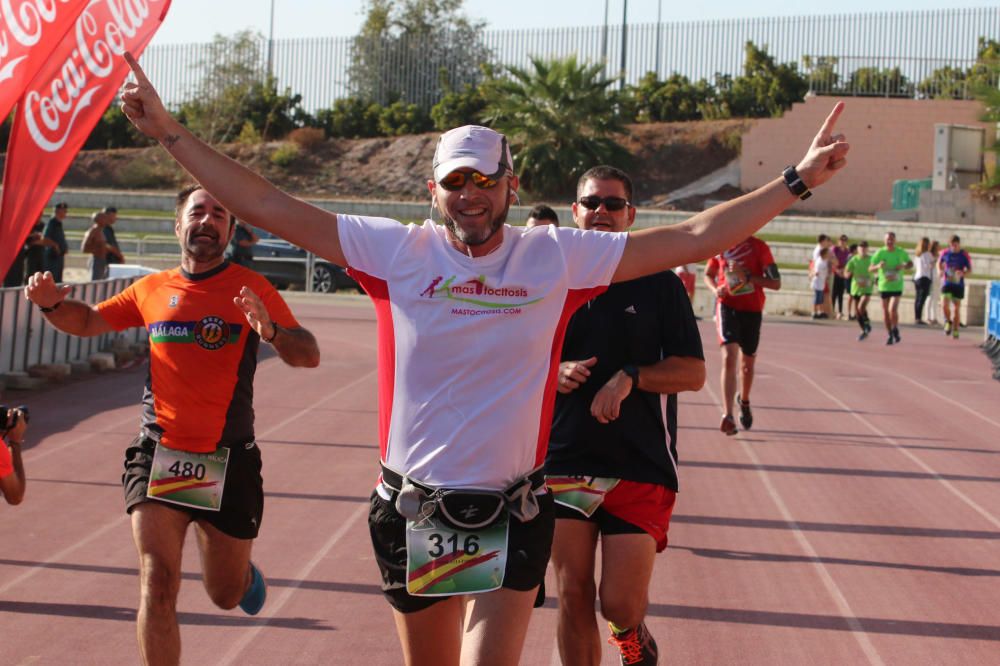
x: 198, y: 20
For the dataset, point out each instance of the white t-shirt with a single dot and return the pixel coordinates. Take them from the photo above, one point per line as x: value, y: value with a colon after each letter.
x: 821, y: 271
x: 924, y: 266
x: 469, y: 347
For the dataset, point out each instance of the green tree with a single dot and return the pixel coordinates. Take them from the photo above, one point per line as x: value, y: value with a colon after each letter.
x: 560, y: 119
x: 675, y: 99
x: 350, y: 117
x: 887, y: 82
x: 404, y: 45
x: 955, y: 83
x: 987, y: 91
x: 822, y: 74
x: 766, y: 88
x: 114, y: 130
x: 235, y: 89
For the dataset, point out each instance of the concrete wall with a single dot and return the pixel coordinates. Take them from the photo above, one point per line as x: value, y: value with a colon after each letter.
x: 890, y: 139
x: 951, y: 206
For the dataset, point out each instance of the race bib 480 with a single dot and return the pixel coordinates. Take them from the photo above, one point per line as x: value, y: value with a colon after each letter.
x: 195, y: 480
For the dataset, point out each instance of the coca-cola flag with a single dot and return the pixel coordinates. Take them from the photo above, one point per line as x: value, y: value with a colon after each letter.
x: 29, y: 31
x: 62, y: 104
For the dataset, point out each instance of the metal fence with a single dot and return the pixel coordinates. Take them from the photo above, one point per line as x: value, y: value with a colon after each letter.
x: 918, y: 43
x: 27, y: 338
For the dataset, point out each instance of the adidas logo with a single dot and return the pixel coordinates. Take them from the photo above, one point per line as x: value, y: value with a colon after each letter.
x: 630, y: 309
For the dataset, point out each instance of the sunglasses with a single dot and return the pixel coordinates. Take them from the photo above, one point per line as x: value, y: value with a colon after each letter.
x: 610, y: 203
x: 456, y: 180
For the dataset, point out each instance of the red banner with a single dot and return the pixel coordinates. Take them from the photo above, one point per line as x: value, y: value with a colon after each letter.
x: 63, y: 102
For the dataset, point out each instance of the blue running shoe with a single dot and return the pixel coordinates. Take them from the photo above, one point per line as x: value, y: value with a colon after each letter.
x: 256, y: 594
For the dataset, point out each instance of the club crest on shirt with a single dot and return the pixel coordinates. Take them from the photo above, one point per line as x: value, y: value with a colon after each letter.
x: 211, y: 332
x: 172, y: 303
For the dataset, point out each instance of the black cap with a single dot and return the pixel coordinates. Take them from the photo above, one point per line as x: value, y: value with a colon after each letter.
x: 109, y: 209
x: 62, y: 204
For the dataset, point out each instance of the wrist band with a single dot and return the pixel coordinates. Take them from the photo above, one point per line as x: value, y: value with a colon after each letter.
x: 270, y: 340
x: 51, y: 309
x: 794, y: 183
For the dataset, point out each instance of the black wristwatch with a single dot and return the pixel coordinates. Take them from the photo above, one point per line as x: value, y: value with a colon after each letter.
x: 633, y: 373
x: 52, y: 309
x: 795, y: 184
x: 270, y: 340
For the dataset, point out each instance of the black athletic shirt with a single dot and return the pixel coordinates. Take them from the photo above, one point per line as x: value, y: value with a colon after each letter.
x: 638, y: 322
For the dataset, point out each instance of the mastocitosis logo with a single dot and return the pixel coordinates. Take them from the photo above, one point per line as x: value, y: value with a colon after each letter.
x: 210, y: 332
x: 476, y: 291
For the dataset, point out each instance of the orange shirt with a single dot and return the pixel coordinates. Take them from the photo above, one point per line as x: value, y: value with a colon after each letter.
x: 203, y: 353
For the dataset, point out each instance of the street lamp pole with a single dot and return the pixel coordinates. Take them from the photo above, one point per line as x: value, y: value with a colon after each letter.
x: 270, y: 45
x: 621, y: 81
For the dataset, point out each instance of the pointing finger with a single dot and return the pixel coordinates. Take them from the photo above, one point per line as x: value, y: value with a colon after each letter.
x: 133, y: 64
x: 831, y: 120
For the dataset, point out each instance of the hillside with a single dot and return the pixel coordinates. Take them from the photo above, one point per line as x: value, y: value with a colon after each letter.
x: 667, y: 156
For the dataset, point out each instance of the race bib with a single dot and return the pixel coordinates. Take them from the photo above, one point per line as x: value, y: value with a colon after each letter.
x: 583, y: 493
x: 442, y: 562
x: 952, y: 276
x: 862, y: 282
x: 891, y: 276
x: 194, y: 480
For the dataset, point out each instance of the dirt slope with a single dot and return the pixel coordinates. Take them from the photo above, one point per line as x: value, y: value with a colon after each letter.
x: 667, y: 156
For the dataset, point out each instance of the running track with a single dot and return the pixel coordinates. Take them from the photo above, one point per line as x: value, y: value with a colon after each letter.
x: 858, y: 523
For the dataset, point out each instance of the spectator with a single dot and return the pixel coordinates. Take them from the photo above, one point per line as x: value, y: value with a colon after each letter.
x: 923, y: 278
x: 35, y: 258
x: 55, y: 251
x: 15, y: 274
x: 818, y: 277
x: 241, y: 246
x: 841, y: 284
x: 96, y: 246
x: 934, y: 300
x: 541, y: 214
x: 114, y: 255
x: 12, y: 481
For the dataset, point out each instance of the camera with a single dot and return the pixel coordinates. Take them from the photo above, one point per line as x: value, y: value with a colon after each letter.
x: 6, y: 424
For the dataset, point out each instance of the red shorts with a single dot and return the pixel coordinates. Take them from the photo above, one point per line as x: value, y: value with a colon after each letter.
x: 687, y: 279
x: 6, y: 463
x: 631, y: 508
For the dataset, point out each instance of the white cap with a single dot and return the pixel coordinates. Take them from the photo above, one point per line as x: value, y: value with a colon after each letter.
x: 474, y: 147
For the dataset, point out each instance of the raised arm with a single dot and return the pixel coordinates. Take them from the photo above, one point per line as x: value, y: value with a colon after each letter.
x: 244, y: 193
x: 721, y: 227
x: 68, y: 315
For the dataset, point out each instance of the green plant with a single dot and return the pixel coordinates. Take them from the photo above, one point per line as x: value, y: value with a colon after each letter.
x: 428, y: 35
x: 400, y: 118
x: 285, y: 154
x: 351, y: 117
x: 560, y: 120
x: 249, y: 134
x: 766, y: 88
x: 139, y: 175
x: 887, y: 82
x: 459, y: 108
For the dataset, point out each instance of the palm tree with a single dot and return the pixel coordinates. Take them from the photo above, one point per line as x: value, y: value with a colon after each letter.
x: 561, y: 120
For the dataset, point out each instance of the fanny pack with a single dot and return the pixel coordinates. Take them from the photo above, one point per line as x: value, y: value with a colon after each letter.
x: 464, y: 508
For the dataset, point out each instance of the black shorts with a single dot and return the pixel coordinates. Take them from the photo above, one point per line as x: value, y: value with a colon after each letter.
x: 739, y: 327
x: 242, y: 500
x: 955, y: 291
x: 886, y: 295
x: 529, y: 548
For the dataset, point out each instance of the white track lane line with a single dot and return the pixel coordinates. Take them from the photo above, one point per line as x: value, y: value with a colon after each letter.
x: 964, y: 408
x: 993, y: 520
x: 272, y: 609
x: 859, y: 633
x: 62, y: 554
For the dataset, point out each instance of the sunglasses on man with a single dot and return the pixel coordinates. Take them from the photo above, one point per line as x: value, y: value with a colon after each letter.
x: 456, y: 180
x: 611, y: 204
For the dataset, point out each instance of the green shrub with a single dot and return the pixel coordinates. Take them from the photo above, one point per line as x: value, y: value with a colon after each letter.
x: 400, y: 118
x: 249, y: 134
x: 285, y: 154
x: 458, y: 108
x: 351, y: 118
